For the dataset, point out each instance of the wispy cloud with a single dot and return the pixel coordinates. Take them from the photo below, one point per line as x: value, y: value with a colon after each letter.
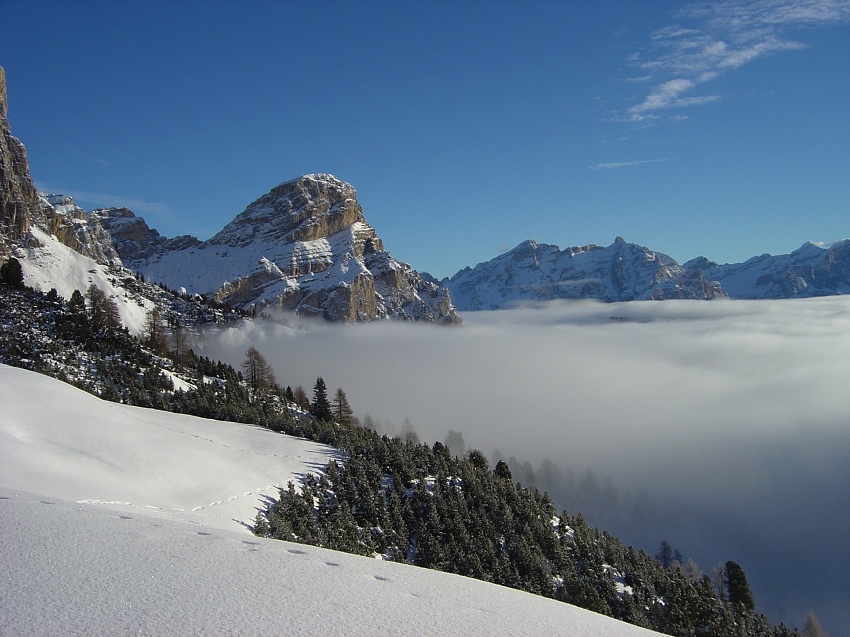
x: 97, y: 160
x: 627, y: 164
x: 717, y: 37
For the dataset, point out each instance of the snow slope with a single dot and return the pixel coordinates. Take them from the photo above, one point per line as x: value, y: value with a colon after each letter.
x: 153, y: 563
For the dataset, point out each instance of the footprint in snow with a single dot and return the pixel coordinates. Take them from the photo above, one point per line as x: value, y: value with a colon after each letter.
x: 297, y: 552
x: 203, y: 533
x: 126, y: 517
x: 381, y: 578
x: 332, y: 563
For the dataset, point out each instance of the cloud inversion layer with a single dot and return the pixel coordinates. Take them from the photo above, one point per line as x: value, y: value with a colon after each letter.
x: 722, y: 425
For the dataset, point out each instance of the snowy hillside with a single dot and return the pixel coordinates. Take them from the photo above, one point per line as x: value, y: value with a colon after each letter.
x: 115, y: 519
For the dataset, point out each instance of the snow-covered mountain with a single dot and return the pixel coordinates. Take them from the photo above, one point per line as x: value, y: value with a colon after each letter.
x: 541, y: 272
x: 304, y: 247
x: 116, y: 519
x: 811, y: 270
x: 625, y: 272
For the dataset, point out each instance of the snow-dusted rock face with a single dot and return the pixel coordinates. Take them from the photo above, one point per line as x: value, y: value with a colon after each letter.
x: 541, y: 272
x: 809, y: 271
x: 304, y: 247
x: 19, y: 202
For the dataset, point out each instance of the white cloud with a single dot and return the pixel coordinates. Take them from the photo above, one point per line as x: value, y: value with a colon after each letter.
x: 716, y: 421
x: 628, y: 164
x: 725, y: 36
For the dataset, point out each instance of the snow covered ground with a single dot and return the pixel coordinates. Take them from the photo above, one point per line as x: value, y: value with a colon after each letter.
x: 118, y: 520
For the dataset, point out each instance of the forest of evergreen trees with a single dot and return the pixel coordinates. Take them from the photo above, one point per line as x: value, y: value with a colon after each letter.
x: 395, y: 498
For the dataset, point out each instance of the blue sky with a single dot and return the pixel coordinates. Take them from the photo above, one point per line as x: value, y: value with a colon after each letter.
x: 716, y: 129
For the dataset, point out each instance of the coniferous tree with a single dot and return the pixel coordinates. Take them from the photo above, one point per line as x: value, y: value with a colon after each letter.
x: 258, y: 372
x: 812, y: 627
x: 154, y: 332
x: 301, y: 399
x: 665, y: 554
x: 739, y: 593
x: 12, y: 274
x: 320, y: 407
x: 342, y: 412
x: 76, y: 303
x: 103, y: 311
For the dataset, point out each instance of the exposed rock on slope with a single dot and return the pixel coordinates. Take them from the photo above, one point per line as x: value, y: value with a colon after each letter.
x: 541, y: 272
x: 19, y: 202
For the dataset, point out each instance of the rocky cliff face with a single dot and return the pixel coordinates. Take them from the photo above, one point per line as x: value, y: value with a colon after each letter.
x: 19, y: 202
x: 541, y: 272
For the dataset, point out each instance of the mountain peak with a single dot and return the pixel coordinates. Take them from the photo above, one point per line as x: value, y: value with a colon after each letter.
x: 303, y: 209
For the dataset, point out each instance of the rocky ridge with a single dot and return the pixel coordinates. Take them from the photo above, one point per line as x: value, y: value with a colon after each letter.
x: 541, y: 272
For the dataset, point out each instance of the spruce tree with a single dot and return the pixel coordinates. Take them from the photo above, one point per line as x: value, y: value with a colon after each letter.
x: 320, y: 407
x: 739, y: 593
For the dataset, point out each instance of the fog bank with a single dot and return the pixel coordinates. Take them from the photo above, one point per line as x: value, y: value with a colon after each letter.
x: 722, y: 427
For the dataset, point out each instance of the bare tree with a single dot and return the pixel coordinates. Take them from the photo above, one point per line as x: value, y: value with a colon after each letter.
x: 343, y: 414
x: 258, y: 372
x: 103, y: 311
x: 154, y: 332
x: 301, y: 398
x: 812, y: 627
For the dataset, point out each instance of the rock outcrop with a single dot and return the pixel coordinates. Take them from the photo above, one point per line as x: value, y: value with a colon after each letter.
x: 19, y: 201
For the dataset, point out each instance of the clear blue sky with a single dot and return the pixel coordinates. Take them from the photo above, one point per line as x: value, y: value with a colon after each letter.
x: 717, y: 129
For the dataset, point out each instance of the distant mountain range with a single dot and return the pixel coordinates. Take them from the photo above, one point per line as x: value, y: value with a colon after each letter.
x: 305, y: 247
x: 627, y: 272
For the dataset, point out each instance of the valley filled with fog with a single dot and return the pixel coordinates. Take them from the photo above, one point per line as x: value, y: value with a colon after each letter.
x: 721, y: 427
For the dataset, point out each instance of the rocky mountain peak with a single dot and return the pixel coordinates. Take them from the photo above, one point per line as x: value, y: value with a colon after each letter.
x: 303, y: 209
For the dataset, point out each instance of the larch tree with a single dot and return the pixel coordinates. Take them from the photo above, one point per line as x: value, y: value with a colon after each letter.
x: 300, y: 397
x: 812, y: 627
x: 258, y: 372
x: 102, y: 310
x: 342, y: 412
x: 154, y: 332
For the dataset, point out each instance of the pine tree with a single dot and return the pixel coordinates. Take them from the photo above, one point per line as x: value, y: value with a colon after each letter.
x: 320, y: 407
x: 665, y: 554
x: 739, y: 593
x: 12, y: 274
x: 76, y: 303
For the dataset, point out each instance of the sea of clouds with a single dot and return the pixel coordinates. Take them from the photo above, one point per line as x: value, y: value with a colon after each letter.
x: 721, y: 427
